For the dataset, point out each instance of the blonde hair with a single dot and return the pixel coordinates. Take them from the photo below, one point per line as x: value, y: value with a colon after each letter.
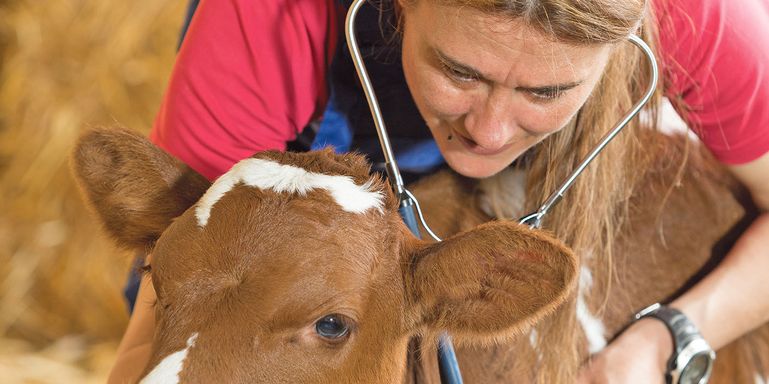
x: 594, y: 209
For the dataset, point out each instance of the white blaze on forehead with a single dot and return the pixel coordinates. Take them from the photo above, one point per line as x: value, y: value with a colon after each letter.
x: 168, y: 370
x: 265, y: 174
x: 593, y: 326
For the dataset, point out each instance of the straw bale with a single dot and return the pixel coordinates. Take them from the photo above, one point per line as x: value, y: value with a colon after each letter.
x: 66, y: 66
x: 69, y: 360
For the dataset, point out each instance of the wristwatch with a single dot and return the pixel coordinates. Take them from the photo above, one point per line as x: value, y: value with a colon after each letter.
x: 692, y: 359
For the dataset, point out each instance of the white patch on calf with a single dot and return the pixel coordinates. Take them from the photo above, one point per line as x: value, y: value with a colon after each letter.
x: 168, y: 370
x: 533, y: 338
x: 760, y: 380
x: 265, y: 174
x: 593, y: 326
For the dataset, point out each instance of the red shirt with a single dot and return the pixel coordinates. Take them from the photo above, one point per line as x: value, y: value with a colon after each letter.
x: 715, y: 56
x: 251, y: 75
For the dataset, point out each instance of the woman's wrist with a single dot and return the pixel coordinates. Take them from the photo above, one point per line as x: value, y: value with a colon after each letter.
x: 638, y: 355
x: 651, y: 336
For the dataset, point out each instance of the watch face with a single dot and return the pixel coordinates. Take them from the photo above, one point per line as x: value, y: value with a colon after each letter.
x: 696, y: 370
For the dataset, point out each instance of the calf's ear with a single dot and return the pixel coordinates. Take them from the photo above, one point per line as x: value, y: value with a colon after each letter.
x: 488, y: 283
x: 135, y: 187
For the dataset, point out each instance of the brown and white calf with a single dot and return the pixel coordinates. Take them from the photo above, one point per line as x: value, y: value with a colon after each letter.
x: 682, y: 222
x: 296, y: 268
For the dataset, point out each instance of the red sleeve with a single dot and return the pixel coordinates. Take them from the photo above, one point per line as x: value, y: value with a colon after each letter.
x: 249, y: 76
x: 715, y: 54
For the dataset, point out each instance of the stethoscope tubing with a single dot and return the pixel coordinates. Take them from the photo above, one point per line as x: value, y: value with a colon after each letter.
x: 448, y: 366
x: 535, y: 219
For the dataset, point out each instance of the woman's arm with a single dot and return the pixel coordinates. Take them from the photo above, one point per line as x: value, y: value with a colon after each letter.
x: 134, y: 351
x: 249, y: 76
x: 716, y: 59
x: 723, y: 305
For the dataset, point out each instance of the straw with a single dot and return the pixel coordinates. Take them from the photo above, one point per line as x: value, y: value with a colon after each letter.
x: 65, y: 66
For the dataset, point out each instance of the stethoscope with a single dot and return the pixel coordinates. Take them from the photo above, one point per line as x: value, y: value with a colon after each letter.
x: 447, y: 362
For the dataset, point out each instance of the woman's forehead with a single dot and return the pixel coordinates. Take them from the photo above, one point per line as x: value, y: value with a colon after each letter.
x: 500, y: 47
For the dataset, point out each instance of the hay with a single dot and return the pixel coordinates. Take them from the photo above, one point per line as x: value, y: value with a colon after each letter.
x: 66, y: 66
x: 68, y: 360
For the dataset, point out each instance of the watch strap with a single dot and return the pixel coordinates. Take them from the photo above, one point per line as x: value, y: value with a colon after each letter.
x: 682, y: 330
x: 680, y: 327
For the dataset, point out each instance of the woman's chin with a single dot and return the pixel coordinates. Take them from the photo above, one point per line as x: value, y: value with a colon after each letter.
x: 476, y: 167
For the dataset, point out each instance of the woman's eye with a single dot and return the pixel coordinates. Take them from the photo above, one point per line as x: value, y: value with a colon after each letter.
x: 332, y: 327
x: 458, y: 74
x: 547, y: 94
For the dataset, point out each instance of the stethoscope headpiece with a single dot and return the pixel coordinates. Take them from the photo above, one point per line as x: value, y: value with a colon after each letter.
x: 447, y: 360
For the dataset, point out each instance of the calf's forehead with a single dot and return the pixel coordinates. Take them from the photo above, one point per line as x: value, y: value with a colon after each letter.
x: 268, y: 175
x: 284, y: 194
x: 284, y: 227
x: 267, y: 231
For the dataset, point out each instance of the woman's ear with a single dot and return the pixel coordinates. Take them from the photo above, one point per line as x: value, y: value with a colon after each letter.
x: 135, y: 187
x: 488, y: 283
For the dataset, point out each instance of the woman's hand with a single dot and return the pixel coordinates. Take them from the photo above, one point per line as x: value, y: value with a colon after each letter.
x: 718, y: 304
x: 638, y: 355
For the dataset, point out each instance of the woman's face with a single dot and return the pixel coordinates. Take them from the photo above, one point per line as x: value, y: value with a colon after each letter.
x: 490, y: 88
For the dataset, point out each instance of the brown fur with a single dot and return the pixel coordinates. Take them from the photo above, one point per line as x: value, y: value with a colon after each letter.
x: 682, y: 222
x: 253, y: 282
x: 140, y: 188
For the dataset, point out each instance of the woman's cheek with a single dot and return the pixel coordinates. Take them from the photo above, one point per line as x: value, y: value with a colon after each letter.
x: 437, y: 97
x: 551, y: 117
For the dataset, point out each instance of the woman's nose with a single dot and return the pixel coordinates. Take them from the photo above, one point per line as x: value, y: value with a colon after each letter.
x: 491, y: 122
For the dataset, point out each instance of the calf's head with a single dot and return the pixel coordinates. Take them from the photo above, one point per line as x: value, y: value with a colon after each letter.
x: 297, y: 268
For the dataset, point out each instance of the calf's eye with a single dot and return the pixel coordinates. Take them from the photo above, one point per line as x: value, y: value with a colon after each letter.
x: 332, y: 327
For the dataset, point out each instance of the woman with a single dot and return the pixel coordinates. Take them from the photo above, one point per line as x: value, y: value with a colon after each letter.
x: 491, y: 79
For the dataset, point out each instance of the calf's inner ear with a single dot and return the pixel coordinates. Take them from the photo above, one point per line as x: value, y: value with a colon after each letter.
x: 488, y: 283
x: 135, y: 187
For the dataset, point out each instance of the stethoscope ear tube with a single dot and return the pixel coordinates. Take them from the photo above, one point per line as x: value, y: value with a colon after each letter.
x: 447, y: 361
x: 393, y: 173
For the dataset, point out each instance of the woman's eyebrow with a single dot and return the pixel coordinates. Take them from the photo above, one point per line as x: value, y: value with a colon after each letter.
x: 457, y: 65
x: 550, y: 88
x: 472, y: 71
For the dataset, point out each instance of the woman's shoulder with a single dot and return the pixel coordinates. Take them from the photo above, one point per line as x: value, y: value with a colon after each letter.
x: 715, y: 56
x: 705, y: 38
x: 704, y: 24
